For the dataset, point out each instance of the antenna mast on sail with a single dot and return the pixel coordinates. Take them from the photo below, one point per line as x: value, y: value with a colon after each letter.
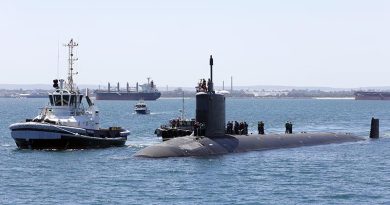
x: 182, y: 111
x: 211, y: 85
x: 71, y: 61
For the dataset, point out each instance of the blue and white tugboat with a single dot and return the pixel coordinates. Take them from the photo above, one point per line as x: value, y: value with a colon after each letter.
x: 65, y: 123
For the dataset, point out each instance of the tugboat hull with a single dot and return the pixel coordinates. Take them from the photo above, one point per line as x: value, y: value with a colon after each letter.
x: 45, y: 136
x: 70, y: 142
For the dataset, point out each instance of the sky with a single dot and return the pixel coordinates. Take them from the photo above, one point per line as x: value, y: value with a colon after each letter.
x: 332, y: 43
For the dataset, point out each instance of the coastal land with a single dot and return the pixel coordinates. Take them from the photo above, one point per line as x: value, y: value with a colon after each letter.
x: 41, y: 90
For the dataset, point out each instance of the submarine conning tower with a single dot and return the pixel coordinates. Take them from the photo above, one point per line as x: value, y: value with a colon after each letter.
x: 210, y: 108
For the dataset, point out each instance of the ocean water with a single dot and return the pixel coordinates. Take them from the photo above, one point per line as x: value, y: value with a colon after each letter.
x: 351, y: 173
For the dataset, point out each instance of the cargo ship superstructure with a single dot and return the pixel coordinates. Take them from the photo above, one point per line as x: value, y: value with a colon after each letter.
x: 148, y: 92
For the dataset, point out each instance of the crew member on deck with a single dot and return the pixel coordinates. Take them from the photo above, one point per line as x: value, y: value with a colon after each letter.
x: 260, y: 127
x: 245, y: 128
x: 287, y: 127
x: 236, y: 127
x: 290, y: 127
x: 229, y: 128
x: 204, y: 86
x: 241, y: 128
x: 196, y: 128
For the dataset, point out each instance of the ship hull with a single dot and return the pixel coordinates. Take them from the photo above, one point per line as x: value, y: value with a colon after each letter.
x: 127, y: 96
x: 46, y: 136
x: 69, y: 142
x: 205, y: 146
x: 372, y: 95
x: 142, y: 112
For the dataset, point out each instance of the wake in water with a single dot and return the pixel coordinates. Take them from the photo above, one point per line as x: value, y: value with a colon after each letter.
x: 141, y: 143
x: 385, y: 134
x: 5, y: 145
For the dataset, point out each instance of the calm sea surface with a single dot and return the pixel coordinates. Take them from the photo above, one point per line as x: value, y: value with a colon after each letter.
x: 351, y: 173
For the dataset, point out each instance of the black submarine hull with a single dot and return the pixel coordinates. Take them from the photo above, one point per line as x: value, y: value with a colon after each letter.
x: 205, y: 146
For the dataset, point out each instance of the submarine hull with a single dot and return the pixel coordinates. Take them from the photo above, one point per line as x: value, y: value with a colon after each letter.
x: 204, y: 146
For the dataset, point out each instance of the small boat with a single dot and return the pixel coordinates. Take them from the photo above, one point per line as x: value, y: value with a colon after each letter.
x: 176, y: 127
x: 65, y: 123
x: 141, y: 108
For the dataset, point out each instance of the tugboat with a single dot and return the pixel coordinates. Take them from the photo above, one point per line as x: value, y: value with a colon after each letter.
x: 141, y: 108
x: 176, y: 127
x: 64, y: 123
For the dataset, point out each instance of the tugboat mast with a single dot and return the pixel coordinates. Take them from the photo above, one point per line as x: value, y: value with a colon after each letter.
x: 71, y: 61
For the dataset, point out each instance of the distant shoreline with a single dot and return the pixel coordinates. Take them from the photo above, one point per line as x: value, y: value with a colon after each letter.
x: 255, y: 98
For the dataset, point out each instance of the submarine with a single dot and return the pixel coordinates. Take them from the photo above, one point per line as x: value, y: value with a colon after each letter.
x: 213, y: 140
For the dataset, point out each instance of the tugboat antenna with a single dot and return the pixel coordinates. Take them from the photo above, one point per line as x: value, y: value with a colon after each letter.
x: 58, y: 59
x: 71, y: 60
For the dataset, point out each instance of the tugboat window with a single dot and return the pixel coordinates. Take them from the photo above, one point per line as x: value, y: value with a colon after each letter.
x: 65, y: 99
x: 72, y: 100
x: 51, y: 100
x: 57, y: 100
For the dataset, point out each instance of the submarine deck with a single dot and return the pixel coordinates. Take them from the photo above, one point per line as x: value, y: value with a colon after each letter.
x: 203, y: 146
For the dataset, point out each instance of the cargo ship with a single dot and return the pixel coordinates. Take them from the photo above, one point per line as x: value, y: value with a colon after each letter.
x: 148, y: 92
x: 372, y: 95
